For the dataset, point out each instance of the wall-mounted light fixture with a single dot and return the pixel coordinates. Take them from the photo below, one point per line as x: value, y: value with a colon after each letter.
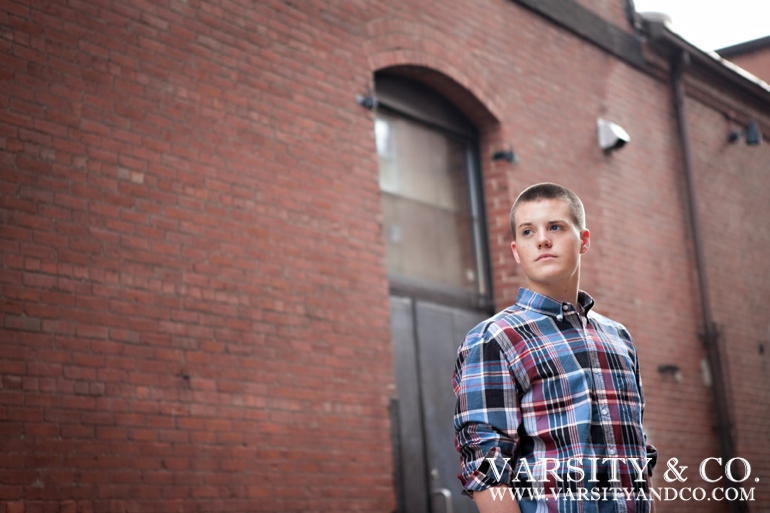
x: 506, y: 155
x: 671, y: 370
x: 367, y: 102
x: 752, y: 133
x: 611, y: 136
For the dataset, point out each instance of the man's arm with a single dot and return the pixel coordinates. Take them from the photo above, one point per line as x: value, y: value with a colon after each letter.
x: 487, y: 503
x: 487, y: 416
x: 651, y: 451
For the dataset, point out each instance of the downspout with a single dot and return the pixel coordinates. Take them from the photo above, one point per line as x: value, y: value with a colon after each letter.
x: 710, y: 335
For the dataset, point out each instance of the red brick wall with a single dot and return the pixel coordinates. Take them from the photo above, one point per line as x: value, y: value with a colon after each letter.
x: 757, y: 63
x: 194, y: 300
x: 734, y: 185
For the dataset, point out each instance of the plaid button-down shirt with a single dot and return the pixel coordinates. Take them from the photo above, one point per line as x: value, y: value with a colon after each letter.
x: 543, y: 380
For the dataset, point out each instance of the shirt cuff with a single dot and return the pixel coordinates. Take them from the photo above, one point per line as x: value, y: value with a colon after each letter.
x: 487, y: 474
x: 652, y: 453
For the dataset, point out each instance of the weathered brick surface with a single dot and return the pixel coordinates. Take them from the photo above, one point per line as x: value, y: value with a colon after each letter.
x: 733, y: 182
x: 757, y: 63
x: 192, y: 267
x: 194, y: 301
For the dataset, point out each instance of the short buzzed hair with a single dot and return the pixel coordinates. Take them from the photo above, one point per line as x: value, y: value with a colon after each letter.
x: 546, y: 191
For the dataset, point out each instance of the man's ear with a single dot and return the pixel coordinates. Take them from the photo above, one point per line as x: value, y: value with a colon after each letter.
x: 585, y: 241
x: 515, y: 253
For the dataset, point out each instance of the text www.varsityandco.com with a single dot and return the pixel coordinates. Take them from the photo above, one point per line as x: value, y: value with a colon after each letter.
x: 735, y: 471
x: 604, y: 493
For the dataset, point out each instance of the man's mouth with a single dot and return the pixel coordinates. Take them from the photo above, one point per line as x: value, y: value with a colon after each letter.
x: 545, y: 256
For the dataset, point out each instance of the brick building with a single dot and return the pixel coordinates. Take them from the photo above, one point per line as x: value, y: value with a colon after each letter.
x: 753, y: 56
x: 241, y: 241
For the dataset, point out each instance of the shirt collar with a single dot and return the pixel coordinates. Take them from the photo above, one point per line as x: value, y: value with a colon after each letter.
x: 549, y: 306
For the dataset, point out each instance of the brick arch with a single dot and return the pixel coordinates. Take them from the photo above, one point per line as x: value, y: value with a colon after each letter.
x: 428, y: 55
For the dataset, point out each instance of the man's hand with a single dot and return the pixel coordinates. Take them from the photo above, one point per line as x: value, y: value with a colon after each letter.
x: 487, y: 503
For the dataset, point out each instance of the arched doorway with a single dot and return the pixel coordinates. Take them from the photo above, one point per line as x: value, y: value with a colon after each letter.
x: 433, y: 223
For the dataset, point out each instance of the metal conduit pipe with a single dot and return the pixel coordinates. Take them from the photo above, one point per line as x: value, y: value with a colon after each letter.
x: 710, y: 335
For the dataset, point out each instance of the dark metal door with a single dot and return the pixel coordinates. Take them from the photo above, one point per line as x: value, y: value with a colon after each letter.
x: 425, y: 340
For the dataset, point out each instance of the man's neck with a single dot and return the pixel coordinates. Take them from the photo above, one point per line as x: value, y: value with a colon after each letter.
x: 566, y: 292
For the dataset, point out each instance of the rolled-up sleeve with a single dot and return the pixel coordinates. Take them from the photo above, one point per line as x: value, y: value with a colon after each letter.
x: 487, y: 414
x: 651, y: 451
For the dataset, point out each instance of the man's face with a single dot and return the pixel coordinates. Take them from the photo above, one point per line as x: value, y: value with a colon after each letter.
x: 548, y: 244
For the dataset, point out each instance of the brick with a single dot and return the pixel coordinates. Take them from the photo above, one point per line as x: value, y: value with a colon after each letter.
x: 70, y: 431
x: 24, y: 323
x: 15, y: 507
x: 11, y: 382
x: 80, y: 387
x: 68, y: 506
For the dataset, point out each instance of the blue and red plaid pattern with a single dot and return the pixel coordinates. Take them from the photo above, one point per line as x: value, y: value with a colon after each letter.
x: 539, y: 380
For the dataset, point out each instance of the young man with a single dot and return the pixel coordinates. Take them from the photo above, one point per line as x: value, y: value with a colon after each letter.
x: 549, y: 395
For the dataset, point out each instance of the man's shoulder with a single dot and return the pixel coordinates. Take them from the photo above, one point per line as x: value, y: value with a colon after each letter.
x: 601, y: 318
x: 503, y: 321
x: 609, y: 325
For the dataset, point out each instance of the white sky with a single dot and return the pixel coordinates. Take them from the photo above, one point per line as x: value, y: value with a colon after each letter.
x: 714, y: 24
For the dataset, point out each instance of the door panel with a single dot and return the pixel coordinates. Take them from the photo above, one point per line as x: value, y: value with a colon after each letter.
x: 426, y: 400
x: 440, y: 331
x: 413, y: 474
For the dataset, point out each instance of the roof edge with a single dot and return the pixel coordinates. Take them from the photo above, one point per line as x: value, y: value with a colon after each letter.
x: 745, y: 47
x: 658, y: 31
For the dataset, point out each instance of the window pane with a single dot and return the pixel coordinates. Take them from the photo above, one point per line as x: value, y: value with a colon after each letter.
x: 428, y: 221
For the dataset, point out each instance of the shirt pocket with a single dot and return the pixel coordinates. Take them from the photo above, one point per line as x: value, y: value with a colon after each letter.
x: 624, y: 388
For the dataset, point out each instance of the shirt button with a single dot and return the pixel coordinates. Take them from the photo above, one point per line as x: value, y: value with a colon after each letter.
x: 565, y: 307
x: 604, y: 411
x: 612, y: 450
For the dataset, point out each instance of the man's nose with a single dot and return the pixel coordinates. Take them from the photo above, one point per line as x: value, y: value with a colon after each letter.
x: 544, y: 241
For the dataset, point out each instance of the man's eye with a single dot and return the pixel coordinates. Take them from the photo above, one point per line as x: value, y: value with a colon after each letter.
x: 526, y: 232
x: 555, y: 227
